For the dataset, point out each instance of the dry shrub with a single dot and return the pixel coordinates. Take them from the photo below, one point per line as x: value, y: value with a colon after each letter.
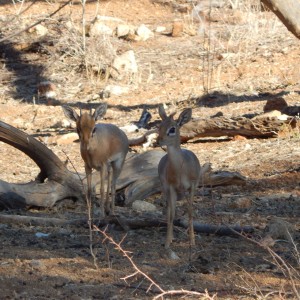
x: 94, y: 59
x: 237, y: 34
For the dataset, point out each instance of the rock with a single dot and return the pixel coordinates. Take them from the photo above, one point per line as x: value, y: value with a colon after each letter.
x: 39, y: 30
x: 280, y: 229
x: 160, y: 29
x: 226, y: 55
x: 46, y: 89
x: 177, y: 29
x: 115, y: 90
x: 130, y: 128
x: 123, y: 30
x: 37, y: 264
x: 144, y: 33
x: 171, y: 254
x: 125, y: 64
x: 104, y: 25
x: 41, y: 235
x: 100, y: 29
x: 64, y: 123
x: 143, y: 206
x: 242, y: 203
x: 269, y: 114
x: 239, y: 138
x: 66, y: 139
x: 275, y: 104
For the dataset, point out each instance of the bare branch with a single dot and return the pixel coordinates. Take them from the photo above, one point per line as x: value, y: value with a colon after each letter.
x: 36, y: 23
x: 162, y: 292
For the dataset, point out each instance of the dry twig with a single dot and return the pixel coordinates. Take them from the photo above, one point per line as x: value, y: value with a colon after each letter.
x: 138, y: 271
x: 36, y: 23
x: 288, y: 271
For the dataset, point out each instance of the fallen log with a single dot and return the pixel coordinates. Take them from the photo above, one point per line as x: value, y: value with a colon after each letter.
x: 288, y: 11
x: 138, y: 180
x: 258, y: 127
x: 39, y: 221
x: 54, y: 182
x: 234, y: 230
x: 131, y: 222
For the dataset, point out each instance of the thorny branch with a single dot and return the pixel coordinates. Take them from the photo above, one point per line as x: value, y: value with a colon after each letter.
x: 127, y: 255
x: 161, y: 291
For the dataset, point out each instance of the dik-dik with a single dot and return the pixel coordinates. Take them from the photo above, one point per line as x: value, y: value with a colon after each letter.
x: 179, y: 169
x: 103, y: 147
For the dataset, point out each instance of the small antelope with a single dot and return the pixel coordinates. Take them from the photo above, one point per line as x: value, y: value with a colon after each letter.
x: 179, y: 169
x: 102, y: 146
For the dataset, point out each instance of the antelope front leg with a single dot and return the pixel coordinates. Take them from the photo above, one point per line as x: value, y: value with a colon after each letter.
x: 190, y: 214
x: 102, y: 193
x: 88, y: 172
x: 108, y: 204
x: 113, y: 194
x: 171, y: 196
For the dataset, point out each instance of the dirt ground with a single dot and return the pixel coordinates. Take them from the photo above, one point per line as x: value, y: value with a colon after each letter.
x: 245, y: 58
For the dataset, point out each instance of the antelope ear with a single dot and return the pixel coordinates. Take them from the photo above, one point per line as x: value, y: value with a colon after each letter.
x: 162, y: 112
x: 70, y: 113
x: 100, y: 111
x: 184, y: 117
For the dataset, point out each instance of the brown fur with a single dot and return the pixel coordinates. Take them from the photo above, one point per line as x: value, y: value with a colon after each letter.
x: 178, y: 170
x: 103, y: 147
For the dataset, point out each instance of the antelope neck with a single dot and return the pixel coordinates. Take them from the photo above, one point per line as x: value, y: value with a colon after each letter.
x: 175, y: 157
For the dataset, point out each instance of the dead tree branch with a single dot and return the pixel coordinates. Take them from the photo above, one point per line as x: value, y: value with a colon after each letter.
x: 138, y: 180
x: 288, y: 11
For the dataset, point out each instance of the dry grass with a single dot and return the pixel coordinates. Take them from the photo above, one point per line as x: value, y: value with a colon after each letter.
x: 243, y: 41
x: 240, y: 31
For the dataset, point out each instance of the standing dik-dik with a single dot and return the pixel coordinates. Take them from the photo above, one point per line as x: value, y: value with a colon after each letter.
x: 103, y: 147
x: 179, y: 169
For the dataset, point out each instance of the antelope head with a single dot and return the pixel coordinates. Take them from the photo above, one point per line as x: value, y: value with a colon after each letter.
x: 85, y: 122
x: 168, y: 133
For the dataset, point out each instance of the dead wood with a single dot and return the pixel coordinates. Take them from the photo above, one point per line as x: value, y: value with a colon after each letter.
x: 141, y: 139
x: 54, y: 182
x: 258, y: 127
x: 138, y: 180
x: 288, y: 11
x: 131, y: 222
x: 39, y: 221
x: 235, y: 230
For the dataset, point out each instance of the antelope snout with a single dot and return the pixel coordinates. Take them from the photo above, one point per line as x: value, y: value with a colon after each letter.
x: 161, y: 144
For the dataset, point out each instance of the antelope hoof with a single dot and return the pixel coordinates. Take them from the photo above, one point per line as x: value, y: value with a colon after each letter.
x: 171, y: 254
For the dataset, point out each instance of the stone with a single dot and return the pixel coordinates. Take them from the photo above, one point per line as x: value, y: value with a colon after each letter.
x: 123, y: 30
x: 177, y: 29
x: 275, y: 104
x: 104, y: 25
x: 144, y: 33
x: 66, y: 139
x: 115, y: 90
x: 46, y: 89
x: 143, y: 206
x: 39, y: 30
x: 125, y: 64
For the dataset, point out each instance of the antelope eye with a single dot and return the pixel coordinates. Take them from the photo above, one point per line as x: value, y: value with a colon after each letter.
x: 171, y: 131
